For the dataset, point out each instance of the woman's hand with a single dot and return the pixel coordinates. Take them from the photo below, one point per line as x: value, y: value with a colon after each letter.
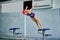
x: 35, y: 4
x: 26, y: 7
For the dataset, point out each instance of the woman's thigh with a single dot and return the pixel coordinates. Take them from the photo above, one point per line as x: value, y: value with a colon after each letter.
x: 35, y: 19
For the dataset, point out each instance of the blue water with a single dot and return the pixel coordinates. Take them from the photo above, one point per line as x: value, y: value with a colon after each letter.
x: 32, y: 39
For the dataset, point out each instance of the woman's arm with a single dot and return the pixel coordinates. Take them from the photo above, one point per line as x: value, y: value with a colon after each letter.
x: 26, y: 7
x: 24, y: 11
x: 33, y: 6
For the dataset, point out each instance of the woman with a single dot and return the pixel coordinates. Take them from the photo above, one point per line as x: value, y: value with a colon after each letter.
x: 28, y: 12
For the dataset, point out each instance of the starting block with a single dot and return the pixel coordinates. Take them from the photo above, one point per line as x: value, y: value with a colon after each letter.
x: 14, y: 29
x: 43, y: 32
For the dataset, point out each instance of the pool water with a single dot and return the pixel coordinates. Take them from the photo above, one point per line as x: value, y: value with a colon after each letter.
x: 32, y: 39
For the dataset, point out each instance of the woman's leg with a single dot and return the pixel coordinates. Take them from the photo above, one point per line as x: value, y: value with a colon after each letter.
x: 35, y: 19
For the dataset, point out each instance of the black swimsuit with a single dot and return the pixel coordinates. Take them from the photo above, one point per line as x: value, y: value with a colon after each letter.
x: 31, y: 15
